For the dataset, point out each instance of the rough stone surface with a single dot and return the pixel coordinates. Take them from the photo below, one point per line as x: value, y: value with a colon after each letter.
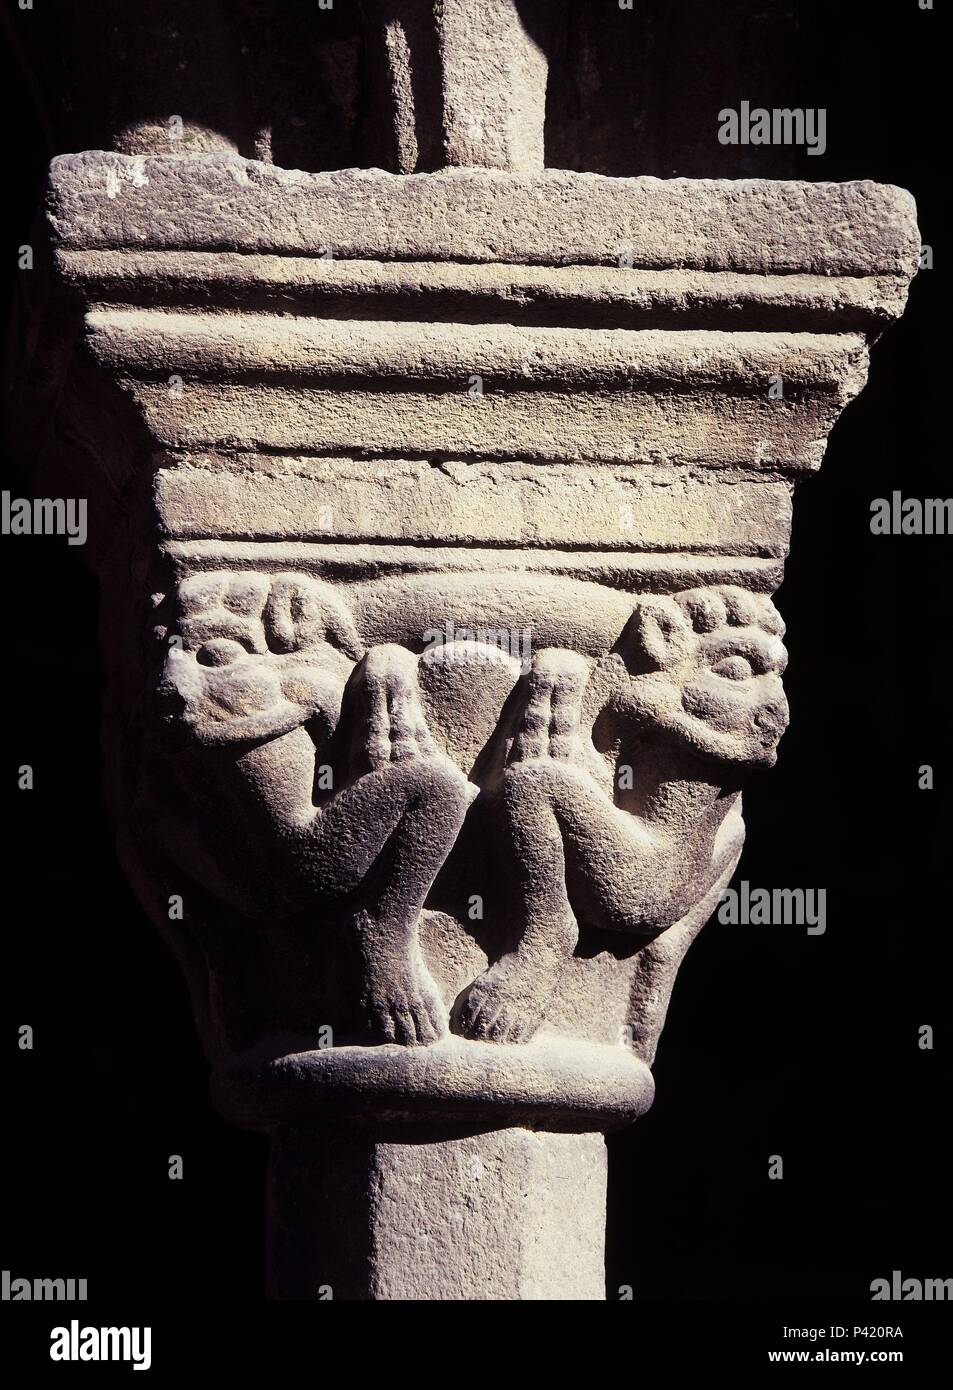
x: 455, y: 92
x: 558, y: 296
x: 438, y: 516
x: 269, y: 382
x: 502, y: 1215
x: 221, y: 202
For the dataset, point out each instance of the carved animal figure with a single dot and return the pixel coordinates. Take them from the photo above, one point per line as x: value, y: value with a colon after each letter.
x: 310, y: 763
x: 617, y: 782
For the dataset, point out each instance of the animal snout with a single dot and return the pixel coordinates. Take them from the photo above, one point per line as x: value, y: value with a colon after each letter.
x: 771, y: 719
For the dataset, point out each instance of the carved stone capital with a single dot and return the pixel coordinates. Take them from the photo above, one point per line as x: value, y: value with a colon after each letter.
x: 438, y: 517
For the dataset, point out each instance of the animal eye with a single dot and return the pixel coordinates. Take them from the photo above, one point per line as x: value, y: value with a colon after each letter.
x: 734, y: 668
x: 220, y: 651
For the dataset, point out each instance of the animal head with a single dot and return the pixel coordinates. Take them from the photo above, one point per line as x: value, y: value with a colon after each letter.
x: 281, y: 613
x: 248, y: 653
x: 706, y: 667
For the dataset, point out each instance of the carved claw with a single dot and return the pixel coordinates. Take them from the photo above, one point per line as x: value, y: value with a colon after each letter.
x: 508, y: 1002
x: 500, y: 1008
x: 405, y: 1007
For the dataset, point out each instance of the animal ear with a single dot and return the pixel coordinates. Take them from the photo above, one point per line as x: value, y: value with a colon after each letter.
x: 289, y: 615
x: 342, y: 633
x: 302, y: 612
x: 656, y: 637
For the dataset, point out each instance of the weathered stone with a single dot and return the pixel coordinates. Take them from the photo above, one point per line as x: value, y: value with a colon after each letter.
x: 507, y: 1214
x: 219, y: 202
x: 455, y: 92
x: 561, y: 296
x: 475, y: 503
x: 498, y: 391
x: 438, y: 516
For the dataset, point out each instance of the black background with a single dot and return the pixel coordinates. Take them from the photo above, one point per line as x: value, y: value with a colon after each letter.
x: 777, y: 1043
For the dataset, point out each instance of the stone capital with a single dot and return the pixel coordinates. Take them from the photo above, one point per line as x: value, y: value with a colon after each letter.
x: 438, y: 514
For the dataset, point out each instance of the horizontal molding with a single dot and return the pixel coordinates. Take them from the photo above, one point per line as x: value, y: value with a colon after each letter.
x: 569, y: 296
x: 553, y: 1081
x: 223, y: 202
x: 708, y: 429
x: 482, y: 504
x: 613, y: 569
x: 253, y: 382
x: 219, y: 346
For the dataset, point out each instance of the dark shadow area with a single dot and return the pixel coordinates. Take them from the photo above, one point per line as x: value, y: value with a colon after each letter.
x: 778, y: 1043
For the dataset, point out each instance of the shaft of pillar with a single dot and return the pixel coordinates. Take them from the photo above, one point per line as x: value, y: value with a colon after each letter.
x: 505, y: 1214
x: 459, y: 83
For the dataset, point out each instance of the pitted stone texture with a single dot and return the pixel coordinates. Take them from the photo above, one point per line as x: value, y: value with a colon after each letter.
x: 494, y: 86
x: 455, y: 502
x: 474, y: 655
x: 332, y: 789
x: 475, y: 568
x: 580, y: 296
x: 554, y: 1082
x: 269, y: 382
x: 459, y: 88
x: 499, y: 1216
x: 439, y: 520
x: 219, y: 202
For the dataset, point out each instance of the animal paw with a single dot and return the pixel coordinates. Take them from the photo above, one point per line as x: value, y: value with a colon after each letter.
x: 406, y: 1007
x: 505, y: 1005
